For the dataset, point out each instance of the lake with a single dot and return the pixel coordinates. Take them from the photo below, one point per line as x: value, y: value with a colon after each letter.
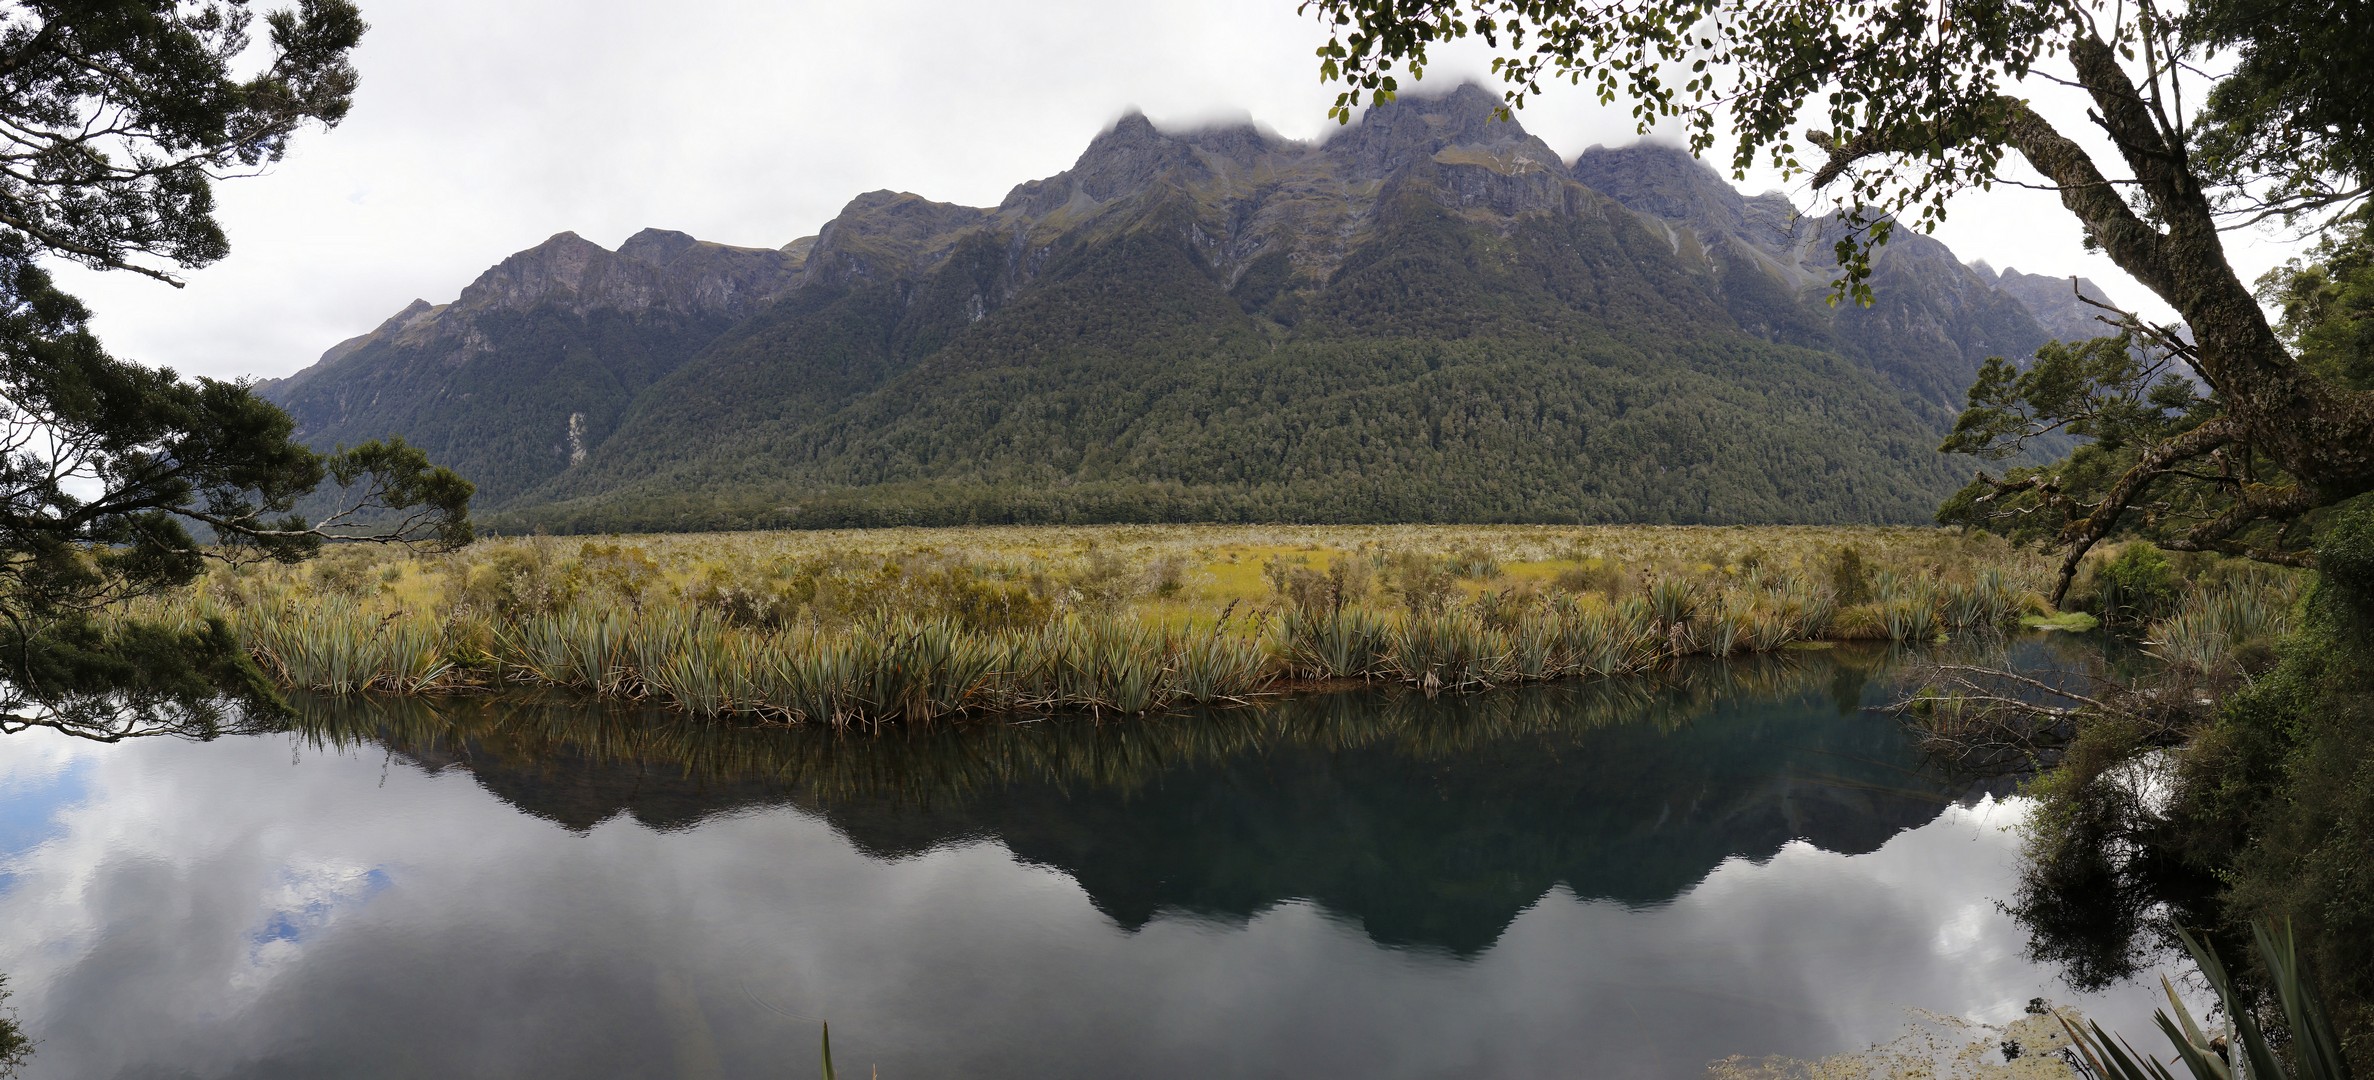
x: 1620, y: 879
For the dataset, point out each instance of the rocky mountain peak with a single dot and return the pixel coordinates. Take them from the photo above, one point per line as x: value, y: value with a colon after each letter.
x: 2055, y: 302
x: 1241, y: 141
x: 1128, y: 156
x: 656, y: 247
x: 884, y: 232
x: 655, y: 268
x: 1410, y: 128
x: 558, y: 265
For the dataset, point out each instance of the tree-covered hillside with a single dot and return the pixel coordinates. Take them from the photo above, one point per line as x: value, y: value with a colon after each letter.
x: 1428, y: 318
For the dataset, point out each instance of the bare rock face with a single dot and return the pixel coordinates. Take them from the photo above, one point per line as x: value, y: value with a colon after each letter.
x: 654, y: 269
x: 2054, y: 300
x: 1414, y: 128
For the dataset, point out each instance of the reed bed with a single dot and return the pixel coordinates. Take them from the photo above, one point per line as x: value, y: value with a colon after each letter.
x: 916, y: 626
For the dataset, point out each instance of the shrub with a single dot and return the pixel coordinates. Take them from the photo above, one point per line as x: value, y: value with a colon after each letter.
x: 1594, y: 575
x: 1352, y: 576
x: 340, y: 575
x: 1102, y: 583
x: 2136, y: 587
x: 1475, y: 564
x: 1850, y: 576
x: 1300, y: 588
x: 1166, y: 577
x: 1423, y: 585
x: 516, y: 583
x: 616, y: 572
x: 963, y: 595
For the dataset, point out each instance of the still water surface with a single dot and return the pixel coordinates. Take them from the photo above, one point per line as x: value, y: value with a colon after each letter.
x: 1615, y: 880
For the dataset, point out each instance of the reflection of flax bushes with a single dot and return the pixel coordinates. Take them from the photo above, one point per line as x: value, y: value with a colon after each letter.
x: 867, y: 628
x: 536, y: 733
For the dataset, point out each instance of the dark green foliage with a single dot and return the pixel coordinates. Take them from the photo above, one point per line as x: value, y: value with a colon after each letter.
x: 2099, y: 389
x: 160, y: 73
x: 2126, y: 403
x: 2137, y: 587
x: 2270, y: 815
x: 2279, y: 795
x: 1850, y: 576
x: 2294, y: 107
x: 111, y: 465
x: 2105, y: 391
x: 165, y: 454
x: 2327, y: 304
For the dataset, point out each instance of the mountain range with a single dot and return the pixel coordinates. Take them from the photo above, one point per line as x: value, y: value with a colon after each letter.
x: 1429, y: 316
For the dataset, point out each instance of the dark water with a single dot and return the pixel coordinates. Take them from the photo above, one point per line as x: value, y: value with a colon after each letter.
x: 1610, y: 880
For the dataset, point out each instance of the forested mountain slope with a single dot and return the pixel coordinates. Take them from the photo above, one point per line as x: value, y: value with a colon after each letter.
x: 535, y: 362
x: 1426, y: 317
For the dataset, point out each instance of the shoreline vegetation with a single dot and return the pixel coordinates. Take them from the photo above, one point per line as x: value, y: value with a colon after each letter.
x: 918, y: 625
x: 935, y: 764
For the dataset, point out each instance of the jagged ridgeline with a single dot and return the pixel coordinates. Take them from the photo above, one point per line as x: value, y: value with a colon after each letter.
x: 1427, y: 317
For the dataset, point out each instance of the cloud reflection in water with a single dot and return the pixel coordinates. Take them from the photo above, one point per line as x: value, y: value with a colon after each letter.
x: 1549, y: 885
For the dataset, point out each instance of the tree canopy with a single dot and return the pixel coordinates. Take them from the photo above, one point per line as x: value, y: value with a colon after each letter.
x: 2222, y: 114
x: 116, y: 117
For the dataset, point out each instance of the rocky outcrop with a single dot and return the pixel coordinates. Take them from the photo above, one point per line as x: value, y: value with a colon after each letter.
x: 654, y: 269
x: 2054, y: 301
x: 1415, y: 128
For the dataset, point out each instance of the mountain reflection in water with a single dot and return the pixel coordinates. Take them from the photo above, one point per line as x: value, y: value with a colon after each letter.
x: 1429, y: 822
x: 1623, y: 879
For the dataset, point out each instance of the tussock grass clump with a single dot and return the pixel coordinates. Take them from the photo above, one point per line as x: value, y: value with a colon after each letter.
x: 2223, y: 633
x: 1342, y: 643
x: 1450, y: 650
x: 340, y: 648
x: 1219, y: 669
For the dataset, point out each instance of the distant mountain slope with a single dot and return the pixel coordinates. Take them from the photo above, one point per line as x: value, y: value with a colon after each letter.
x: 1427, y: 317
x: 533, y: 365
x: 2055, y: 303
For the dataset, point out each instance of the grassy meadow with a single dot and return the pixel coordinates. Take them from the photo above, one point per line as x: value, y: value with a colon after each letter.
x: 868, y: 626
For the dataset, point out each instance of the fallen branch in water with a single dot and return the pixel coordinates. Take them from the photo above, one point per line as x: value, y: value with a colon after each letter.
x: 1991, y: 719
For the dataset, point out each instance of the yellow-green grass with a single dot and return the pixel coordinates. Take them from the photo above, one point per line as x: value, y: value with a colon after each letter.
x: 865, y: 626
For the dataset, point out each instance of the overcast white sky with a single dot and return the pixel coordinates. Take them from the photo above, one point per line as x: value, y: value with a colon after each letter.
x: 482, y: 128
